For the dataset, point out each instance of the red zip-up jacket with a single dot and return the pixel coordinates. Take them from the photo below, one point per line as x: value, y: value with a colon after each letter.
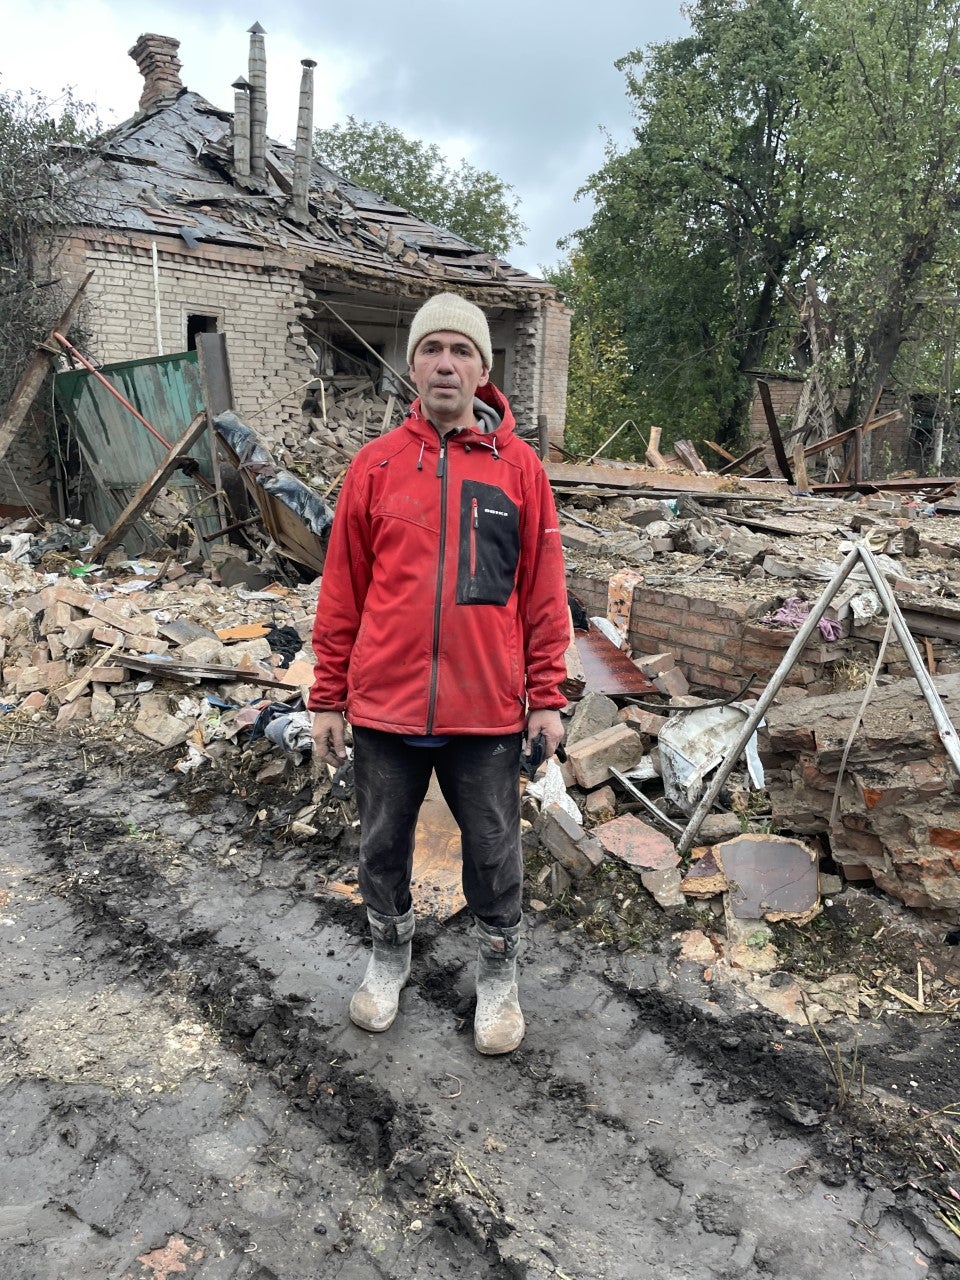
x: 442, y: 606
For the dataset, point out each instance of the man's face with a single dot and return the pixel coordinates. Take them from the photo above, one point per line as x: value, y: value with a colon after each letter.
x: 447, y: 369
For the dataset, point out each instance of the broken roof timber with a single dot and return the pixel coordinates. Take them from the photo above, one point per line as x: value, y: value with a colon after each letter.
x: 625, y: 475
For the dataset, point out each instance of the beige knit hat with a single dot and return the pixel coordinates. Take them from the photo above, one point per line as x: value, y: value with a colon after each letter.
x: 450, y: 311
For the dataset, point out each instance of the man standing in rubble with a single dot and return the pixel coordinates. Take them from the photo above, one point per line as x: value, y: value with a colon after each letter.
x: 440, y: 635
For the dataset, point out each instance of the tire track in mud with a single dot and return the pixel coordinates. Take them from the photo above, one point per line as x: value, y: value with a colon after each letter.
x: 529, y: 1166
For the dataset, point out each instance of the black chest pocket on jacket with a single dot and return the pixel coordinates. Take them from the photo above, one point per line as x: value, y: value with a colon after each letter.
x: 489, y: 544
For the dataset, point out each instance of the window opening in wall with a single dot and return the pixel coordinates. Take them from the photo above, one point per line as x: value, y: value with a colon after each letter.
x: 200, y: 324
x: 348, y: 363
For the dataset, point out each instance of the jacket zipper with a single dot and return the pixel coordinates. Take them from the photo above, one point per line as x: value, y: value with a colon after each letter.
x: 474, y: 526
x: 434, y: 660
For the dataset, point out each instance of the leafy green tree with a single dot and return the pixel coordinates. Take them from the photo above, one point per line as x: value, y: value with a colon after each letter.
x: 473, y: 203
x: 696, y: 224
x: 40, y: 151
x: 881, y: 129
x: 780, y: 139
x: 599, y: 391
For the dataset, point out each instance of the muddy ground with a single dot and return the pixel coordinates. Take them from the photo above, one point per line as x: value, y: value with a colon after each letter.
x: 183, y: 1094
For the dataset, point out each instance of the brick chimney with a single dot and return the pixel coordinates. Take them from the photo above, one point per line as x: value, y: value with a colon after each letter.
x: 156, y: 57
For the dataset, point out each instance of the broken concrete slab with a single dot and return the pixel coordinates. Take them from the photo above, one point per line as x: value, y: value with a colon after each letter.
x: 161, y: 727
x: 664, y: 886
x: 594, y: 712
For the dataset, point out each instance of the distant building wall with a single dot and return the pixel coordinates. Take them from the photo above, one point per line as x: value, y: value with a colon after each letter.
x: 887, y: 449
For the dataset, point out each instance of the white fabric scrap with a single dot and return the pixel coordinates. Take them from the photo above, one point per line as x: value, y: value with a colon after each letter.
x: 550, y: 788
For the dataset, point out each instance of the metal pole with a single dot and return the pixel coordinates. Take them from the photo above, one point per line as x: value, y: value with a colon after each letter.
x: 948, y: 735
x: 68, y: 346
x: 770, y: 692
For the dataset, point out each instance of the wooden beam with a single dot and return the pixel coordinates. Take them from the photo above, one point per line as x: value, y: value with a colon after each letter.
x: 32, y: 378
x: 653, y: 454
x: 148, y: 491
x: 744, y: 457
x: 779, y: 452
x: 719, y: 449
x: 689, y: 457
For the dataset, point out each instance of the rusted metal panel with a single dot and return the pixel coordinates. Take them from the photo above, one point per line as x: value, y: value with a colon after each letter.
x: 608, y: 670
x: 118, y: 449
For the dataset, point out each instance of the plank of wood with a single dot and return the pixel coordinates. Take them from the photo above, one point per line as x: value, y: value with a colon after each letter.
x: 690, y: 458
x: 653, y: 454
x: 72, y: 690
x: 744, y: 457
x: 32, y: 378
x: 719, y: 449
x: 779, y: 452
x: 150, y: 488
x: 800, y: 474
x: 637, y: 476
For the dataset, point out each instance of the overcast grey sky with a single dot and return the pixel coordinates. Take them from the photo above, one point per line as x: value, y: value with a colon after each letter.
x: 522, y: 87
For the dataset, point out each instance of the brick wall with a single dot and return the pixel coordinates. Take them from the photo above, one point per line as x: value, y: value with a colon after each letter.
x: 257, y: 301
x: 718, y: 645
x: 554, y: 362
x: 886, y: 450
x: 27, y: 475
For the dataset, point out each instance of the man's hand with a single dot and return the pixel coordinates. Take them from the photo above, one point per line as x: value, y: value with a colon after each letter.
x: 328, y: 737
x: 550, y: 725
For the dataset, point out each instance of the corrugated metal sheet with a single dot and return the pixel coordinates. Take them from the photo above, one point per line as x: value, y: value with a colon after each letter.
x: 118, y: 450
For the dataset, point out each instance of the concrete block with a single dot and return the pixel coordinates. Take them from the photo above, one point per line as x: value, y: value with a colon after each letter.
x: 645, y: 722
x: 600, y: 805
x: 664, y: 886
x: 162, y: 728
x: 76, y: 597
x: 76, y: 635
x: 45, y: 677
x: 591, y: 758
x: 654, y: 663
x: 202, y: 651
x: 673, y: 683
x: 102, y: 705
x: 578, y: 853
x: 55, y: 617
x: 594, y: 712
x: 79, y: 709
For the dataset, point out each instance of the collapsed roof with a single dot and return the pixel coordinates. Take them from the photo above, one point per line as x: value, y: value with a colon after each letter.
x: 182, y: 165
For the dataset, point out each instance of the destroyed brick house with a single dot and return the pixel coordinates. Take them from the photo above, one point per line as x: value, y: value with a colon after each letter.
x: 195, y: 221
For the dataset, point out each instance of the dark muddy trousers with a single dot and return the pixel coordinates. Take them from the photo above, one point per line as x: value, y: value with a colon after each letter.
x: 480, y: 781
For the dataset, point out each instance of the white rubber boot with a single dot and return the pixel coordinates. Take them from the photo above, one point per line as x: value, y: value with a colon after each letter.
x: 498, y: 1026
x: 374, y: 1004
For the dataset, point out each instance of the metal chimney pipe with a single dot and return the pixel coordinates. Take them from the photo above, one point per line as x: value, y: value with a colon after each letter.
x: 303, y: 153
x: 258, y: 102
x: 241, y: 128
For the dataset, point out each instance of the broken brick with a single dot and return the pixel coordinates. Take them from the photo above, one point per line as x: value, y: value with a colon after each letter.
x: 592, y: 758
x: 637, y: 844
x: 564, y: 838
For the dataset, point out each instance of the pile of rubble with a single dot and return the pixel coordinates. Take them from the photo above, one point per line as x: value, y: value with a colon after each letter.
x: 339, y: 416
x: 165, y: 653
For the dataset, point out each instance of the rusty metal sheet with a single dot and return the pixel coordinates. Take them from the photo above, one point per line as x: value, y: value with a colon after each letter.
x: 607, y: 669
x: 770, y: 877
